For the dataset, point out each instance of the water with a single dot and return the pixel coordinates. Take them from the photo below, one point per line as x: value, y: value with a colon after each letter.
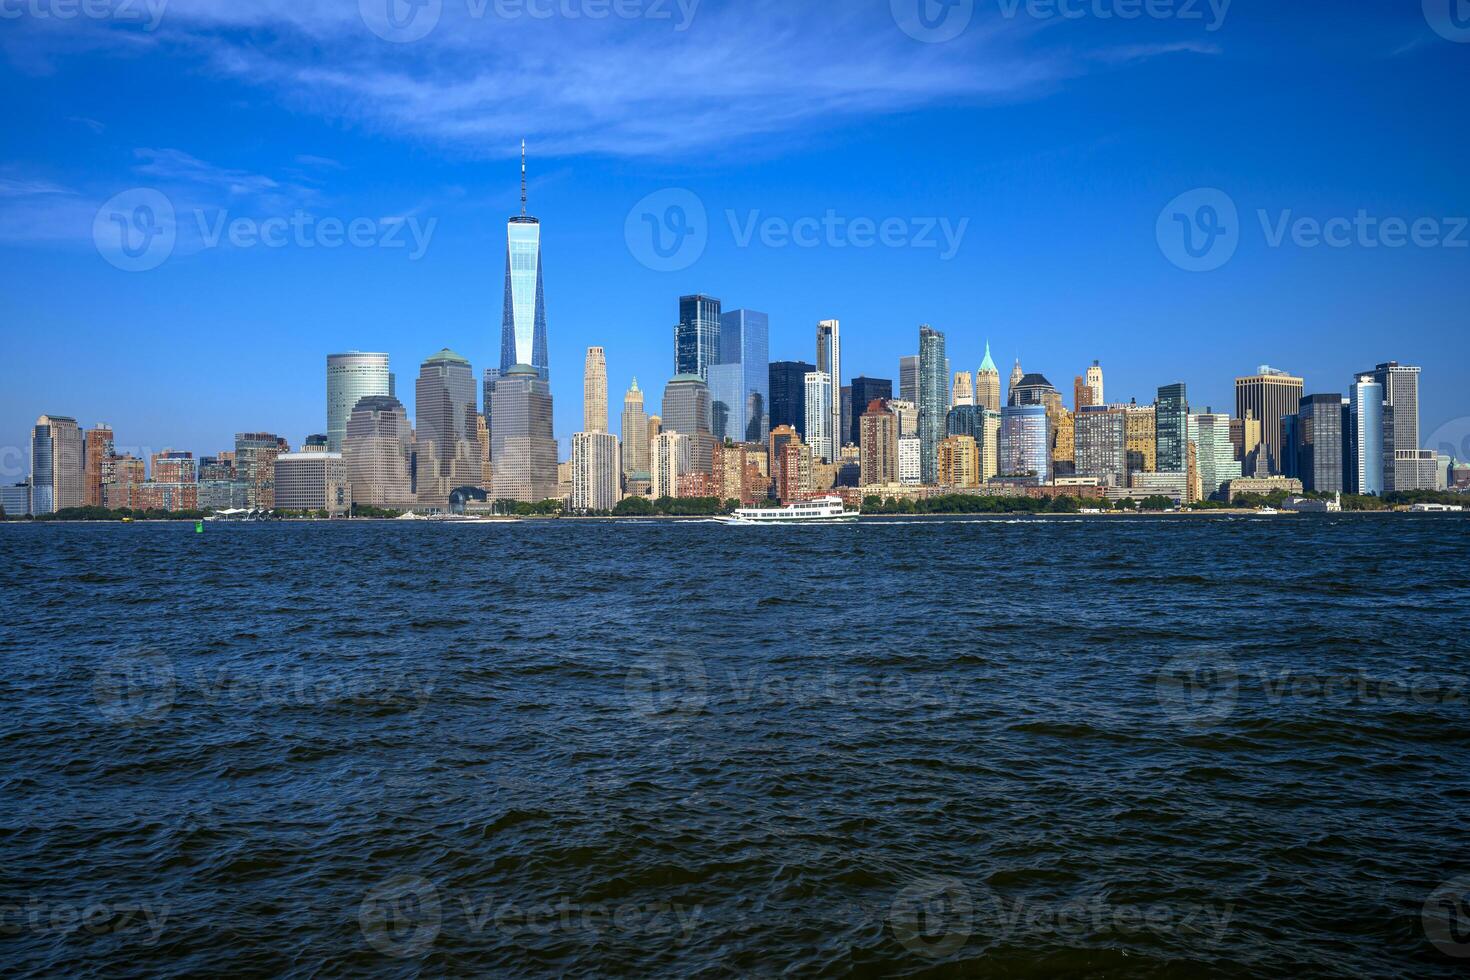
x: 1112, y: 747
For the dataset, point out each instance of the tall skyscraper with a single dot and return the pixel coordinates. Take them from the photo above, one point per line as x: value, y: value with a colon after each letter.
x: 1171, y: 428
x: 740, y: 381
x: 1024, y: 449
x: 987, y: 383
x: 1214, y: 453
x: 377, y: 448
x: 788, y: 393
x: 865, y: 391
x: 635, y: 434
x: 594, y: 391
x: 1143, y: 438
x: 963, y: 392
x: 1270, y: 396
x: 523, y: 329
x: 908, y: 379
x: 596, y: 471
x: 686, y: 409
x: 523, y: 443
x: 933, y: 385
x: 56, y: 465
x: 878, y: 444
x: 255, y: 465
x: 97, y: 450
x: 1401, y: 419
x: 829, y: 359
x: 697, y: 337
x: 446, y: 401
x: 1319, y: 443
x: 1365, y: 437
x: 1095, y: 383
x: 1100, y: 445
x: 352, y: 377
x: 818, y: 434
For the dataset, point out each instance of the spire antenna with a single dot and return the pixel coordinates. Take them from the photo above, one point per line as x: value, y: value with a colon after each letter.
x: 523, y: 178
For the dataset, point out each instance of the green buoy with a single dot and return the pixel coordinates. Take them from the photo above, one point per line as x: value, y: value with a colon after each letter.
x: 198, y: 527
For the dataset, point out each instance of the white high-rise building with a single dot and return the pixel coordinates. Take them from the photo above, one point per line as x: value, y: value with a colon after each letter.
x: 596, y: 471
x: 351, y: 377
x: 908, y: 460
x: 1095, y: 383
x: 819, y: 420
x: 594, y: 391
x: 671, y: 459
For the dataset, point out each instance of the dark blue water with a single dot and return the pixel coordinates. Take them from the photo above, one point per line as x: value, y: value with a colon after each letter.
x: 1109, y: 747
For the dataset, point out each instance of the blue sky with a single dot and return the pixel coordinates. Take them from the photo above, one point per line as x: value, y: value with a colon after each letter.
x: 1056, y: 144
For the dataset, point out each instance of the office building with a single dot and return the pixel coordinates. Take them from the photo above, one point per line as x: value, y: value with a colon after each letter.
x: 829, y: 360
x: 352, y: 377
x: 908, y: 379
x: 818, y: 434
x: 1034, y: 389
x: 878, y: 444
x: 523, y: 328
x: 1095, y: 383
x: 1214, y: 453
x: 596, y: 471
x: 1101, y: 444
x: 1400, y: 383
x: 788, y: 393
x: 987, y: 384
x: 963, y: 392
x: 1142, y: 438
x: 840, y: 440
x: 740, y: 380
x: 686, y: 409
x: 1319, y: 443
x: 446, y: 429
x: 865, y: 391
x: 56, y: 465
x: 671, y: 460
x: 522, y: 442
x: 1269, y: 395
x: 319, y: 443
x: 1024, y: 443
x: 97, y: 451
x: 1415, y: 469
x: 594, y: 391
x: 933, y: 405
x: 1365, y: 437
x: 697, y: 336
x: 15, y: 500
x: 314, y: 482
x: 255, y: 464
x: 958, y: 463
x: 635, y: 434
x: 908, y: 418
x: 1171, y: 427
x: 377, y: 450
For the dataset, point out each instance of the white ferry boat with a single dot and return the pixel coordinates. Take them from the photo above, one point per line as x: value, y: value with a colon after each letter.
x: 822, y: 510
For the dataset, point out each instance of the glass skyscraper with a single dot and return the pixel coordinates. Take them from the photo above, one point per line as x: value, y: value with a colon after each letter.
x: 1171, y: 427
x: 522, y: 444
x: 352, y: 377
x: 1319, y: 443
x: 740, y: 382
x: 829, y: 360
x: 1214, y: 453
x: 697, y: 337
x: 788, y: 393
x: 686, y: 410
x: 1365, y: 437
x: 865, y: 391
x: 523, y: 330
x: 933, y: 400
x: 1024, y: 443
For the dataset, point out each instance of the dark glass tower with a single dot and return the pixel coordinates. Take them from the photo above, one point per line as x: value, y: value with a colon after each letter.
x: 1171, y: 428
x: 697, y: 337
x: 864, y: 392
x: 788, y: 393
x: 933, y: 400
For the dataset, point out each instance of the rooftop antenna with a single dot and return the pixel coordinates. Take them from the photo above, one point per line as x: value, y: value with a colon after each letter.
x: 523, y: 178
